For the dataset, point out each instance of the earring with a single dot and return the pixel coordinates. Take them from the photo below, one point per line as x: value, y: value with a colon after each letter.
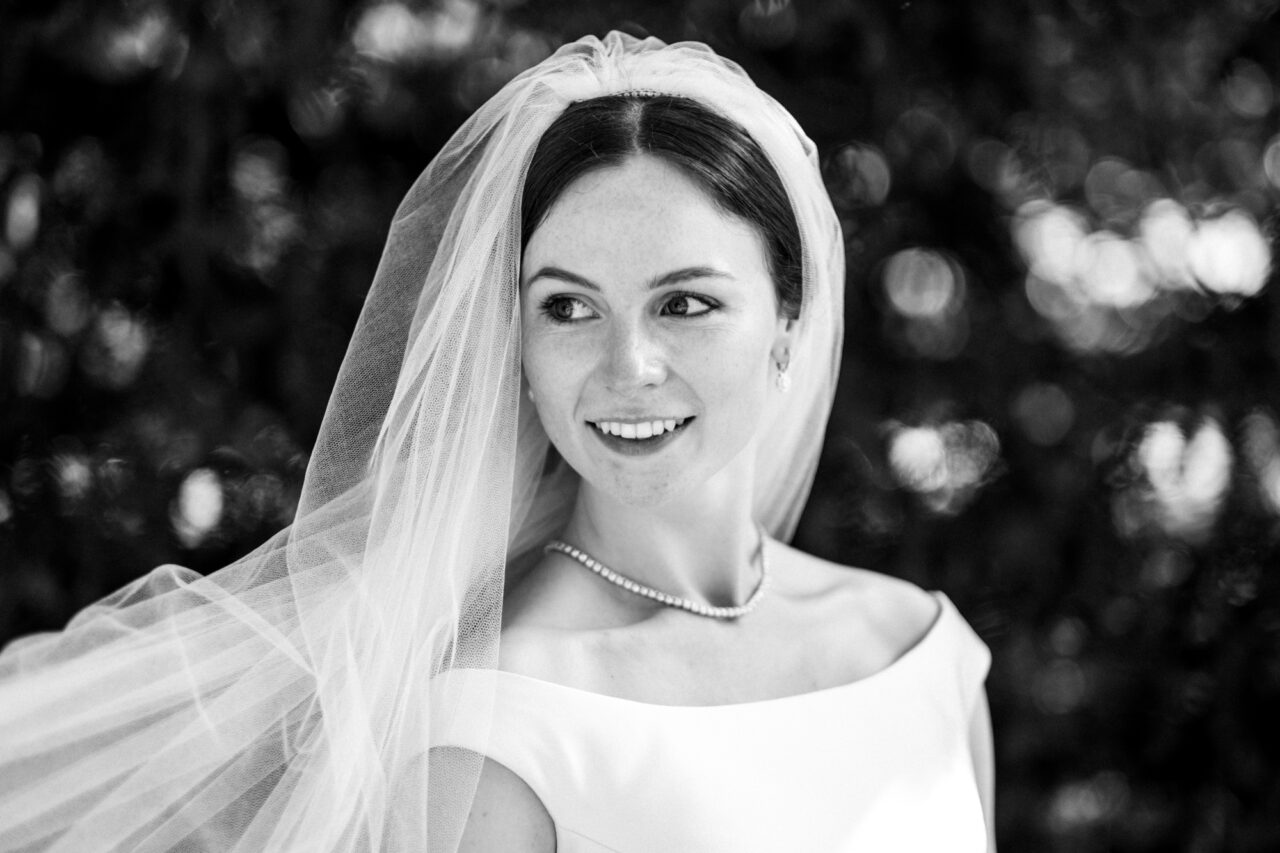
x: 783, y: 380
x: 531, y: 400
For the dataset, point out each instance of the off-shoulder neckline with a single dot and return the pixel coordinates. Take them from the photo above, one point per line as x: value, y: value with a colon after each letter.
x: 927, y: 639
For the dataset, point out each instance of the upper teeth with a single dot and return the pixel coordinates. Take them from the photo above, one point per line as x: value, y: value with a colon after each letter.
x: 644, y: 429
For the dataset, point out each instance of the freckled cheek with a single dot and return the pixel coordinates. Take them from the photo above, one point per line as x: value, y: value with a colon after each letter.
x: 731, y: 380
x: 554, y: 370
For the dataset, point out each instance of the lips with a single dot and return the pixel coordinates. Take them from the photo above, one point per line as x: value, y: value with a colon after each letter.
x: 639, y: 430
x: 638, y: 437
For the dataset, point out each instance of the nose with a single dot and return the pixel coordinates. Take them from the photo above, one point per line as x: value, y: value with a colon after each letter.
x: 634, y: 358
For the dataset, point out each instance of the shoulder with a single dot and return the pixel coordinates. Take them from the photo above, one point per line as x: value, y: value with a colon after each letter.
x: 537, y: 625
x: 506, y: 815
x: 888, y: 613
x: 560, y: 625
x: 896, y: 599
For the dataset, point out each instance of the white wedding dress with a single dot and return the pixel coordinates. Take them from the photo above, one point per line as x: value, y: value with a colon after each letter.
x: 881, y: 764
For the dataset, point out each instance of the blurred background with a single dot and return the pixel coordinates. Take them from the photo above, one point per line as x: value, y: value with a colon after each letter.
x: 1060, y: 400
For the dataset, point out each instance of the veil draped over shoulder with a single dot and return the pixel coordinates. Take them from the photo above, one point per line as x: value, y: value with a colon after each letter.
x: 290, y: 700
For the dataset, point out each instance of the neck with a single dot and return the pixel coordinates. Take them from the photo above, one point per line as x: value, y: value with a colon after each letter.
x: 701, y: 547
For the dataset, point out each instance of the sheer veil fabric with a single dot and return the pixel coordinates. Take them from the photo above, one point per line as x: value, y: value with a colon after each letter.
x: 290, y: 700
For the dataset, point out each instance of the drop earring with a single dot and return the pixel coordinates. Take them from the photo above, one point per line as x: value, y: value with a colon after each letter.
x: 783, y: 379
x: 530, y: 393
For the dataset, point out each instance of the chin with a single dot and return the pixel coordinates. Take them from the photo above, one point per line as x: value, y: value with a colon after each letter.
x: 641, y: 490
x: 642, y: 496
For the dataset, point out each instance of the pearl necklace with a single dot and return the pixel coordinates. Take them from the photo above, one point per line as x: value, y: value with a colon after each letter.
x: 669, y: 600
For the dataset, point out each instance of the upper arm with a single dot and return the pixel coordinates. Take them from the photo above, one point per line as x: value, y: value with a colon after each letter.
x: 506, y: 815
x: 980, y: 748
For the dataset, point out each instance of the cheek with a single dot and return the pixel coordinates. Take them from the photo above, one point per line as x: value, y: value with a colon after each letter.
x: 551, y: 368
x: 535, y: 354
x: 732, y: 376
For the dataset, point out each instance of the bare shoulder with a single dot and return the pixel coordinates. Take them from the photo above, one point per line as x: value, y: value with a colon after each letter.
x: 531, y: 650
x: 555, y: 625
x: 535, y: 624
x: 893, y: 613
x: 506, y: 814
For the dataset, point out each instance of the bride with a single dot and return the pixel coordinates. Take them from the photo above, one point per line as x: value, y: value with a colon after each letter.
x: 536, y: 595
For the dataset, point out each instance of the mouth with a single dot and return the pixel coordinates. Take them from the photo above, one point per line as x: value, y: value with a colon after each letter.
x: 638, y: 437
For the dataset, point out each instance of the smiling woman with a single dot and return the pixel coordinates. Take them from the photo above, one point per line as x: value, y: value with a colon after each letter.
x: 536, y: 595
x: 661, y: 297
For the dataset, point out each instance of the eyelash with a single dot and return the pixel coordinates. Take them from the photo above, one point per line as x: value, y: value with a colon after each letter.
x: 546, y: 307
x: 711, y: 304
x: 547, y: 304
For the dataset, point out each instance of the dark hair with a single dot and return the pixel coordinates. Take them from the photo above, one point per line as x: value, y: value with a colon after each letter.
x: 716, y: 153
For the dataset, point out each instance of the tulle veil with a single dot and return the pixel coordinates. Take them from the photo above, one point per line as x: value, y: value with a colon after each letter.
x: 290, y: 700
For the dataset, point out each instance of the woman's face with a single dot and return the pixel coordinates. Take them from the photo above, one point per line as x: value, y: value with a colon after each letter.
x: 650, y: 331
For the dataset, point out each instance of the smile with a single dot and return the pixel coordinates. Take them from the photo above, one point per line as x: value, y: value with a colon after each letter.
x: 638, y: 437
x: 639, y: 430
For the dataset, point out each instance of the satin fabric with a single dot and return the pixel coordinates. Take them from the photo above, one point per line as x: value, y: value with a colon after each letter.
x: 880, y: 764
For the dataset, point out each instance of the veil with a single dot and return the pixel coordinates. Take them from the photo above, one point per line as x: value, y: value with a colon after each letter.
x: 290, y: 700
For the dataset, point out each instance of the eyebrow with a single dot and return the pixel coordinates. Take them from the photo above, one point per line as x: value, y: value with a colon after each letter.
x: 673, y: 277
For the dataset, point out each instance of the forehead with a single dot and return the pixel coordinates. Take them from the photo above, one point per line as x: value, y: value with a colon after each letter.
x: 645, y: 214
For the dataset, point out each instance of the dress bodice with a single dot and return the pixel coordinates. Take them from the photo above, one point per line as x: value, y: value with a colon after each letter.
x: 880, y: 764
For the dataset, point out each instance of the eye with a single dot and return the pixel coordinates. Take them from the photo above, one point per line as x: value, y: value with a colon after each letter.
x: 688, y: 305
x: 566, y: 309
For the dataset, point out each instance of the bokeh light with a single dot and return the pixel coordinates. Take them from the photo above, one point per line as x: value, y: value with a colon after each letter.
x: 22, y: 213
x: 1103, y: 291
x: 1116, y: 191
x: 317, y: 111
x: 1271, y: 161
x: 1109, y: 273
x: 857, y: 175
x: 67, y: 306
x: 1086, y: 805
x: 923, y: 143
x: 922, y: 284
x: 1229, y: 255
x: 1247, y: 90
x: 143, y: 43
x: 996, y: 168
x: 43, y: 365
x: 926, y: 289
x: 768, y: 24
x: 1167, y: 566
x: 1165, y: 233
x: 945, y: 464
x: 269, y: 223
x: 392, y: 32
x: 919, y: 458
x: 197, y: 510
x: 1261, y: 446
x: 1185, y: 479
x: 116, y: 349
x: 73, y: 473
x: 1050, y: 237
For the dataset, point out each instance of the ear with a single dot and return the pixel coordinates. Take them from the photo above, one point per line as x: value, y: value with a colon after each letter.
x: 783, y: 341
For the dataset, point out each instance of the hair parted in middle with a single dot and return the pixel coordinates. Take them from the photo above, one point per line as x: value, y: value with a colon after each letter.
x: 713, y: 151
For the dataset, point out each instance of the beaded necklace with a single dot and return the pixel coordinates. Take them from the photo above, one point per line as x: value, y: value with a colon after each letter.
x: 669, y: 600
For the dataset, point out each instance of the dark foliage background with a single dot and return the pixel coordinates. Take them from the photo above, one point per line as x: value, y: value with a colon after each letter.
x: 1059, y: 401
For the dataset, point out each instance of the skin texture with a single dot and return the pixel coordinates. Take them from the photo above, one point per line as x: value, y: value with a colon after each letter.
x: 648, y: 339
x: 506, y: 815
x: 627, y: 353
